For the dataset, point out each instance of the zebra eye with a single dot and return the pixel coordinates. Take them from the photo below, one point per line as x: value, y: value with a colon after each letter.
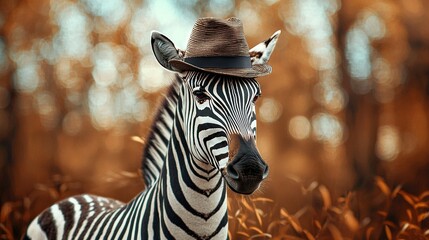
x: 201, y: 96
x: 256, y: 98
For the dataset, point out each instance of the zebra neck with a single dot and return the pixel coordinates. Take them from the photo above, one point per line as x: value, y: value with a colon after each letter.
x: 157, y: 141
x: 194, y: 194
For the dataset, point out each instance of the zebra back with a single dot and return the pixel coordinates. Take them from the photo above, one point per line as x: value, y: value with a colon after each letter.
x: 156, y: 145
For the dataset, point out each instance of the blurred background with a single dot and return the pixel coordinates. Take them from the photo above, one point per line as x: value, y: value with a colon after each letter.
x: 347, y: 102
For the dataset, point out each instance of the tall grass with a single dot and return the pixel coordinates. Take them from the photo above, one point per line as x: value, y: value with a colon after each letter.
x: 375, y: 212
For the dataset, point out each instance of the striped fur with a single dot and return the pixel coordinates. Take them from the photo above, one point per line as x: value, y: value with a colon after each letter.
x: 159, y: 136
x: 186, y: 193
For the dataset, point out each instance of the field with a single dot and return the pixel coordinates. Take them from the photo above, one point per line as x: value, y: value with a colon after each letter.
x: 376, y: 212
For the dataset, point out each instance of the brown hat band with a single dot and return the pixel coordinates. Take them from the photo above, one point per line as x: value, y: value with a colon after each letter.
x: 220, y: 62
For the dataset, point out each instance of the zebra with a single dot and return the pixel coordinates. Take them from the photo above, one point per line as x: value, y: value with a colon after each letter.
x: 202, y: 140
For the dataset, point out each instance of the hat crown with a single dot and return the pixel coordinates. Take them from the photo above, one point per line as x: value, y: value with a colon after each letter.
x: 212, y: 37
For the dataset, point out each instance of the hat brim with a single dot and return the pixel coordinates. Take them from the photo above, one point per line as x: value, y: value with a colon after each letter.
x: 257, y: 70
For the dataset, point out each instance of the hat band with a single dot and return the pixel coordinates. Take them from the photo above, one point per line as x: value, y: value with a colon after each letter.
x: 220, y: 62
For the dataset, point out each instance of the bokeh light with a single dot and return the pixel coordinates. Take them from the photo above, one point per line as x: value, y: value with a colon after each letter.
x: 359, y: 52
x: 247, y: 13
x: 27, y: 77
x: 113, y: 12
x: 47, y: 109
x: 270, y: 110
x: 299, y: 127
x: 226, y: 5
x: 327, y: 128
x: 317, y: 32
x: 104, y: 72
x: 330, y: 96
x: 151, y: 77
x: 72, y: 123
x: 72, y: 39
x: 371, y: 23
x: 388, y: 143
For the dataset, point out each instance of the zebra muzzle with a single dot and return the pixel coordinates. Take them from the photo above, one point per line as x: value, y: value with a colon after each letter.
x: 247, y: 169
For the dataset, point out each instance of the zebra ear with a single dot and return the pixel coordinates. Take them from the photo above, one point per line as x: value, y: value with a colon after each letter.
x: 164, y: 50
x: 260, y: 54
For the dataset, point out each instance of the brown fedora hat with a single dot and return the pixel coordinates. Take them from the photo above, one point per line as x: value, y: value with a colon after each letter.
x: 219, y: 46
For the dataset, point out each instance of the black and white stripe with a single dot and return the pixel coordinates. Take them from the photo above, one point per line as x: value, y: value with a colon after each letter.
x: 159, y: 136
x: 185, y: 154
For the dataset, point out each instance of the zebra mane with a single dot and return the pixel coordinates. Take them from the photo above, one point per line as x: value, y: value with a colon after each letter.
x: 157, y: 140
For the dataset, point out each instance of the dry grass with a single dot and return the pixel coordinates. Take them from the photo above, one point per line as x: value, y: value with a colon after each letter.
x: 376, y: 212
x: 16, y: 215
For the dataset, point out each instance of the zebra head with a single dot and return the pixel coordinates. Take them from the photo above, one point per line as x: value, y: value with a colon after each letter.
x: 219, y: 119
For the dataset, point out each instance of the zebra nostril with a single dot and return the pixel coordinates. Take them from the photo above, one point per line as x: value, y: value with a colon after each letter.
x: 266, y: 171
x: 232, y: 173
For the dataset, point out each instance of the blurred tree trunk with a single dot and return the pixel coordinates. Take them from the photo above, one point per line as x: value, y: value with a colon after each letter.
x: 361, y: 113
x: 7, y: 136
x: 413, y: 101
x: 7, y: 117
